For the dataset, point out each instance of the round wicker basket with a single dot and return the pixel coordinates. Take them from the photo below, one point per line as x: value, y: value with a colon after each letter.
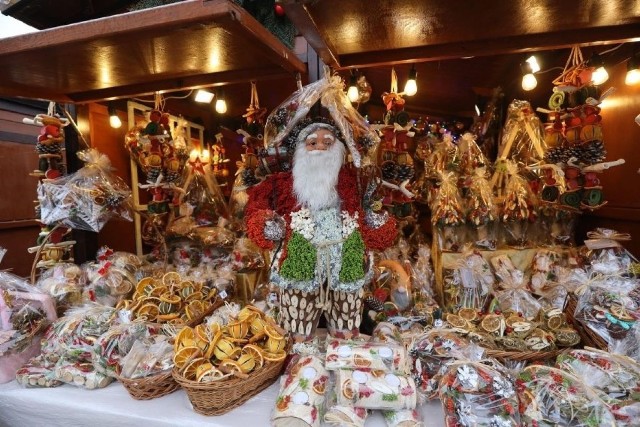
x: 150, y: 387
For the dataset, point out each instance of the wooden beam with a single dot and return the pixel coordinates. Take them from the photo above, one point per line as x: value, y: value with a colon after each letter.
x: 299, y: 14
x: 485, y: 47
x: 175, y: 84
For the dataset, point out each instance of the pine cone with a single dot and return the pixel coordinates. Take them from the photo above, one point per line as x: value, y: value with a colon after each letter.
x: 280, y: 117
x: 153, y: 174
x: 249, y: 178
x: 172, y: 177
x: 592, y: 152
x: 404, y: 172
x: 389, y: 171
x: 373, y: 303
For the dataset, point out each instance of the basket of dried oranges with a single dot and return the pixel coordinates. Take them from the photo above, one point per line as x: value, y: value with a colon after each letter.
x: 171, y: 299
x: 222, y: 366
x: 509, y: 335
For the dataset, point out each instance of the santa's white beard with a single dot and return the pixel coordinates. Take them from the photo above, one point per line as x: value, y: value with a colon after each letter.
x: 315, y: 175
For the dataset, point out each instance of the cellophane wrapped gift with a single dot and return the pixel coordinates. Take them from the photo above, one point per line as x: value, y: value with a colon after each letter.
x: 471, y: 158
x: 609, y: 307
x: 447, y: 214
x: 403, y: 418
x: 616, y: 379
x: 301, y: 398
x: 126, y: 348
x: 469, y: 284
x: 348, y: 354
x: 474, y: 394
x: 523, y: 135
x: 481, y: 211
x: 68, y: 345
x: 511, y: 288
x: 375, y: 389
x: 88, y: 198
x: 516, y: 211
x: 25, y: 312
x: 606, y: 254
x: 552, y: 397
x: 107, y: 283
x: 64, y: 282
x: 443, y: 158
x: 430, y: 353
x: 340, y: 415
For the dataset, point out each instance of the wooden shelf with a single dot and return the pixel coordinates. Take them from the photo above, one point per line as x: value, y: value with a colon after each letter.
x: 184, y: 45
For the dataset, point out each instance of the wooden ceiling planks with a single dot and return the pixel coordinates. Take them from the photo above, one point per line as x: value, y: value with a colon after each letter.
x: 180, y: 46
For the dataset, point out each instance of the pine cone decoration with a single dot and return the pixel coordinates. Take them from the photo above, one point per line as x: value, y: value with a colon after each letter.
x: 404, y: 172
x: 172, y: 177
x: 389, y: 171
x: 113, y: 200
x: 280, y: 117
x: 366, y: 141
x: 249, y: 178
x: 373, y: 303
x: 153, y: 174
x: 48, y: 149
x: 592, y: 152
x: 555, y: 155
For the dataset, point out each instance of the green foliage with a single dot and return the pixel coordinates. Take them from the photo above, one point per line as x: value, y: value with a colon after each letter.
x: 352, y: 258
x: 300, y: 263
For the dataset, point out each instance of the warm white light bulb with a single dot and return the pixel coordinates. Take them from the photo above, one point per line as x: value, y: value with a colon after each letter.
x: 533, y: 63
x: 204, y: 96
x: 599, y: 76
x: 632, y: 77
x: 221, y: 106
x: 411, y: 87
x: 115, y: 121
x: 353, y: 94
x: 529, y: 82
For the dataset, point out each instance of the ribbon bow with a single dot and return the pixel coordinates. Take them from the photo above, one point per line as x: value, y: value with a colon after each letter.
x: 606, y: 233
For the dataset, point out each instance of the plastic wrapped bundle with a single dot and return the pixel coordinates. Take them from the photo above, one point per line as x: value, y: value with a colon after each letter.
x: 346, y: 354
x: 607, y: 256
x: 609, y: 307
x: 375, y: 389
x: 25, y: 312
x: 430, y: 353
x: 511, y: 288
x: 87, y: 199
x: 301, y: 399
x: 523, y: 135
x: 447, y: 213
x: 481, y: 211
x: 616, y: 378
x: 469, y: 284
x: 551, y: 397
x: 64, y: 282
x: 340, y: 415
x: 107, y: 283
x: 474, y: 394
x: 516, y: 210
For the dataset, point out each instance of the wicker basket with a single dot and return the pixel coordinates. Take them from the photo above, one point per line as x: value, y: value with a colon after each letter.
x: 220, y: 397
x: 150, y: 387
x: 588, y: 336
x: 523, y: 356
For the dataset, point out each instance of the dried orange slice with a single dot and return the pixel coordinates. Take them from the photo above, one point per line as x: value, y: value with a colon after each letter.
x: 555, y: 322
x: 141, y: 287
x: 257, y: 325
x: 238, y: 330
x: 229, y: 366
x: 186, y: 284
x: 185, y: 355
x: 167, y: 317
x: 191, y: 369
x: 274, y: 331
x: 171, y: 278
x: 513, y: 319
x: 148, y: 311
x: 320, y: 385
x: 203, y: 332
x: 468, y: 314
x: 491, y: 322
x: 274, y: 357
x: 203, y: 367
x: 224, y: 349
x: 249, y: 312
x: 215, y: 328
x: 347, y: 390
x: 194, y: 296
x: 185, y: 337
x: 209, y: 375
x: 170, y: 298
x: 194, y: 309
x: 255, y: 352
x: 361, y: 361
x: 274, y: 345
x: 246, y: 362
x: 158, y: 291
x: 456, y: 321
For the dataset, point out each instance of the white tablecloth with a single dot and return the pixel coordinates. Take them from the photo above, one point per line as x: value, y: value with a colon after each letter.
x: 68, y: 406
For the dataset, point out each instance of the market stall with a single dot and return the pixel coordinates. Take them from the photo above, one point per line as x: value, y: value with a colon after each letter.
x: 344, y: 254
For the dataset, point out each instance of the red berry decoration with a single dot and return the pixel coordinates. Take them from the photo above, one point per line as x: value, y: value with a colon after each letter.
x: 278, y: 9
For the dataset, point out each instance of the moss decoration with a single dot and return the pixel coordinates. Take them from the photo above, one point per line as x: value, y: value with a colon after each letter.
x: 300, y: 263
x: 352, y: 258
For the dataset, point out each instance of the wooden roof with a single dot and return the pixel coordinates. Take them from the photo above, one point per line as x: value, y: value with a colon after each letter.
x: 460, y: 48
x: 184, y: 45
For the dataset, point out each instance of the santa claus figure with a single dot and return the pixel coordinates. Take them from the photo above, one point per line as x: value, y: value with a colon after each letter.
x: 312, y: 218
